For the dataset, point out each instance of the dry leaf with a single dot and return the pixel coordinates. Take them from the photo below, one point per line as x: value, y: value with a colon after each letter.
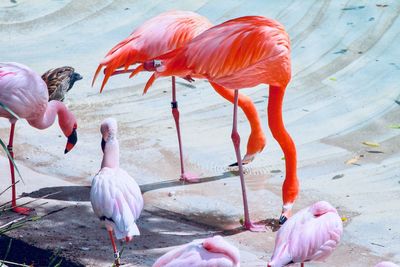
x: 353, y: 160
x: 394, y: 126
x: 371, y: 144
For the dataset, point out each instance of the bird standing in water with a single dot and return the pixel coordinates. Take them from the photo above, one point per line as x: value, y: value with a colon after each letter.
x: 210, y: 252
x: 241, y: 53
x: 159, y: 35
x: 59, y: 81
x: 115, y: 196
x: 26, y: 94
x: 311, y: 234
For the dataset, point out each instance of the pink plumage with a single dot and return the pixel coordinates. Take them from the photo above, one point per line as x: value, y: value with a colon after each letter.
x: 26, y: 94
x: 210, y: 252
x: 310, y: 235
x: 386, y: 264
x: 116, y: 197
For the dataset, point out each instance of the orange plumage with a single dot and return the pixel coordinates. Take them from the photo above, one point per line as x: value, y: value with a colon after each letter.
x: 156, y: 36
x: 236, y: 54
x: 163, y: 33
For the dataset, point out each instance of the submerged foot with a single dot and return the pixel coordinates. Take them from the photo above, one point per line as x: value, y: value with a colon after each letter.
x: 252, y: 227
x: 189, y: 178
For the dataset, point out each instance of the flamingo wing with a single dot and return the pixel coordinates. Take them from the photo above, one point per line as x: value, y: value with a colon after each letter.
x: 231, y: 47
x: 116, y: 198
x: 22, y: 90
x: 317, y: 238
x: 156, y: 36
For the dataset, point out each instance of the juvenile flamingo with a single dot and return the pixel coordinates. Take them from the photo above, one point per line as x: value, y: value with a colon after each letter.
x: 115, y: 196
x: 163, y: 33
x: 310, y: 235
x: 210, y: 252
x: 26, y: 94
x: 236, y: 54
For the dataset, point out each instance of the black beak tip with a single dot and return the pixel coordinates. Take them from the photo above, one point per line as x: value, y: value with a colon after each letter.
x: 66, y: 151
x: 234, y: 164
x: 78, y: 76
x: 282, y: 219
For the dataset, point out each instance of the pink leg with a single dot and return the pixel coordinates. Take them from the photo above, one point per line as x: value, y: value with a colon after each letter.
x: 20, y: 210
x: 302, y: 264
x: 248, y: 225
x: 116, y: 252
x: 187, y: 177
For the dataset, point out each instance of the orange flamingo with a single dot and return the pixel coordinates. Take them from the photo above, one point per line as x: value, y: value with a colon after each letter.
x: 236, y: 54
x: 163, y: 33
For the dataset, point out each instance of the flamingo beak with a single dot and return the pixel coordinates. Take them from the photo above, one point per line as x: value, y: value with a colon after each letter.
x: 72, y: 140
x: 103, y: 144
x: 282, y: 219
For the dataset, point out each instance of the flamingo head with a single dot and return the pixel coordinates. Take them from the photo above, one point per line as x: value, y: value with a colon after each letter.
x: 154, y: 65
x: 108, y: 131
x: 321, y: 207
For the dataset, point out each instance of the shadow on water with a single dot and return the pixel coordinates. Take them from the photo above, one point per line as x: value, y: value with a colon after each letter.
x: 82, y: 193
x: 21, y: 252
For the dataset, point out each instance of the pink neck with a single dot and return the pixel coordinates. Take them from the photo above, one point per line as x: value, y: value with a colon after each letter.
x: 53, y: 109
x: 111, y: 154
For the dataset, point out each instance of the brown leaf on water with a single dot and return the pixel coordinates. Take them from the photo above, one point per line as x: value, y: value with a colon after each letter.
x: 371, y: 144
x: 353, y: 160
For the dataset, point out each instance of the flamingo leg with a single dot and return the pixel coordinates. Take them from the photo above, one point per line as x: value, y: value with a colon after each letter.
x: 122, y: 72
x: 290, y: 186
x: 248, y: 225
x: 116, y: 252
x: 257, y: 140
x: 186, y: 177
x: 20, y: 210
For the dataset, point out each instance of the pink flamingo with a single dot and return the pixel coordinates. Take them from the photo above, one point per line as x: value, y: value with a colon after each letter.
x: 237, y: 54
x: 310, y: 235
x: 26, y: 94
x: 116, y: 197
x: 163, y: 33
x: 210, y: 252
x: 386, y: 264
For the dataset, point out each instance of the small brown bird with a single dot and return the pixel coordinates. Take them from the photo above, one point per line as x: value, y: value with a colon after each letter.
x: 59, y: 81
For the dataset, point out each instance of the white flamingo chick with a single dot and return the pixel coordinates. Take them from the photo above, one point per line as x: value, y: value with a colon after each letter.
x: 116, y: 197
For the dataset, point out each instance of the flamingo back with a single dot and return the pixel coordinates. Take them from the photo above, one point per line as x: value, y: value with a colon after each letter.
x: 116, y: 198
x: 238, y: 53
x: 210, y: 252
x: 22, y: 90
x: 308, y: 236
x: 157, y: 36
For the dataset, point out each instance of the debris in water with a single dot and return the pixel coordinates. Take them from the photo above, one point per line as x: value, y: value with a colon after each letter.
x: 394, y: 126
x: 338, y: 176
x: 371, y: 144
x: 352, y: 8
x: 341, y: 51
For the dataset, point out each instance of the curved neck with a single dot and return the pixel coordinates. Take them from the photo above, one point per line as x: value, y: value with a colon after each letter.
x: 111, y: 154
x: 53, y: 109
